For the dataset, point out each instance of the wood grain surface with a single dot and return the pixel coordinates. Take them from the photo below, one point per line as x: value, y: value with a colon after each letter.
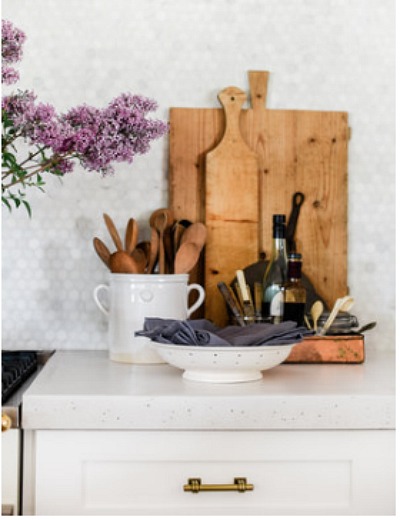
x: 297, y: 150
x: 231, y: 206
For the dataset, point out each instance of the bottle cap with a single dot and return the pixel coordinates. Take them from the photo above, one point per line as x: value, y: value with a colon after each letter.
x: 279, y: 219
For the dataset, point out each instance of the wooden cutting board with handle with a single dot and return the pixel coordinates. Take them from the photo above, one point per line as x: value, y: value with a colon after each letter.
x: 297, y: 150
x: 231, y: 215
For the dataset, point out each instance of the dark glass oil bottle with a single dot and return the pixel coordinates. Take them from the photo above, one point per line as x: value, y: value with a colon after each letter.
x: 294, y: 292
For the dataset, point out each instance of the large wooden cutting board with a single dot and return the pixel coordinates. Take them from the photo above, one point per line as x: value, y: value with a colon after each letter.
x: 298, y: 150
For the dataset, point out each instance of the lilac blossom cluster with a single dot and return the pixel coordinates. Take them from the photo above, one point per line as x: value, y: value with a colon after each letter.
x: 94, y: 137
x: 114, y: 134
x: 12, y: 39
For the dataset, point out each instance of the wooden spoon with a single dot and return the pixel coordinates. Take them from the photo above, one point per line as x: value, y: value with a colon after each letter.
x: 160, y: 224
x: 121, y: 262
x: 316, y: 311
x: 154, y: 244
x: 342, y: 304
x: 177, y: 232
x: 145, y: 246
x: 196, y: 233
x: 140, y: 258
x: 131, y: 235
x: 162, y: 219
x: 113, y: 232
x: 102, y: 250
x: 186, y: 257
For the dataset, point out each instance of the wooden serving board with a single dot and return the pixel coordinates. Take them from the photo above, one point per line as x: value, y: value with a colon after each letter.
x: 297, y: 150
x: 231, y: 216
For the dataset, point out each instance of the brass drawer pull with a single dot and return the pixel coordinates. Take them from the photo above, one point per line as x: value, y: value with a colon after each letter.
x: 6, y: 422
x: 240, y: 484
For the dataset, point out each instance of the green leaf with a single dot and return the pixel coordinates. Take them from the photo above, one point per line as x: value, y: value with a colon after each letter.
x: 6, y: 203
x: 28, y: 208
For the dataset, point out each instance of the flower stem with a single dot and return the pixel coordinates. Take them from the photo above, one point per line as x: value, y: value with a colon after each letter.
x: 51, y: 162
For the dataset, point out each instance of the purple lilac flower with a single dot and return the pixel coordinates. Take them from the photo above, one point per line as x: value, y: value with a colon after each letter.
x: 38, y: 124
x: 116, y: 133
x: 97, y: 137
x: 9, y: 75
x: 19, y: 107
x: 12, y: 40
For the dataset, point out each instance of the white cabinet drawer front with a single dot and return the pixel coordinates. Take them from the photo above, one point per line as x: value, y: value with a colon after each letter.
x: 126, y: 483
x: 122, y: 473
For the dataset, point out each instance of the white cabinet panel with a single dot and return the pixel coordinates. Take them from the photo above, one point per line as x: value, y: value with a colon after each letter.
x: 10, y: 469
x: 138, y: 473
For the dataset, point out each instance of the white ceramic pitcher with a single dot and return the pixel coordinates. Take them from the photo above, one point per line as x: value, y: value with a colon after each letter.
x: 134, y: 297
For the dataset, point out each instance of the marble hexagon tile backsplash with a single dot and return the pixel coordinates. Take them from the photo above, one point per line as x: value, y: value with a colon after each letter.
x: 322, y: 55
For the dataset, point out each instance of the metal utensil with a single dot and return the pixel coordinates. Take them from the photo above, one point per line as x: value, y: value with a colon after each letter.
x: 367, y: 326
x: 297, y: 201
x: 341, y: 304
x: 316, y: 311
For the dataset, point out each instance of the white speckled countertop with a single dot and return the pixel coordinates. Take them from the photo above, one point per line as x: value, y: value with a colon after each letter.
x: 84, y: 390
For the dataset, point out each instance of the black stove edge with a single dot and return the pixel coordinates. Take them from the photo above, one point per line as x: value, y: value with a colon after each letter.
x: 12, y: 407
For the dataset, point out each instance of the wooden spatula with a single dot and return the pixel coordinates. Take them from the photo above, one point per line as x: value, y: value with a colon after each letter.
x: 231, y: 206
x: 113, y: 232
x: 131, y: 235
x: 102, y: 251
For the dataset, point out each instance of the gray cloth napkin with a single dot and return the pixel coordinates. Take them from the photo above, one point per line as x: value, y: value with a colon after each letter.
x: 204, y: 332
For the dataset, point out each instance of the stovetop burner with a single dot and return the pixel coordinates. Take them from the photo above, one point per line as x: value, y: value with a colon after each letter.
x: 17, y: 366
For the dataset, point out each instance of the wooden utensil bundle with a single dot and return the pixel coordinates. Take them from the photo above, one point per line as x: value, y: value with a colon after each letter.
x: 244, y: 307
x: 174, y: 246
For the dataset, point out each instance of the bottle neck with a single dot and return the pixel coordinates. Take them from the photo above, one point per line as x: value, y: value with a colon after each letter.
x: 294, y: 270
x: 279, y: 230
x: 279, y: 248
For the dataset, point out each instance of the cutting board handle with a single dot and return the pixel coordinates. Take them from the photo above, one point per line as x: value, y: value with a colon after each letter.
x: 232, y: 99
x: 258, y: 81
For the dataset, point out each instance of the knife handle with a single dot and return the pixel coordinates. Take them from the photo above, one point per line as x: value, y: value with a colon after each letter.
x: 242, y: 285
x: 258, y: 300
x: 230, y: 300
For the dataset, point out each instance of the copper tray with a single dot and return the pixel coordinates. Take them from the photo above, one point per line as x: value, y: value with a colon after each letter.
x: 329, y: 349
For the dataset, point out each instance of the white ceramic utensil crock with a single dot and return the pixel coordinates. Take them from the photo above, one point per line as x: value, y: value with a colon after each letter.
x: 134, y: 297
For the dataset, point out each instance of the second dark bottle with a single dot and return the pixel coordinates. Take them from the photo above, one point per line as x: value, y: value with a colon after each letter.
x: 294, y: 292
